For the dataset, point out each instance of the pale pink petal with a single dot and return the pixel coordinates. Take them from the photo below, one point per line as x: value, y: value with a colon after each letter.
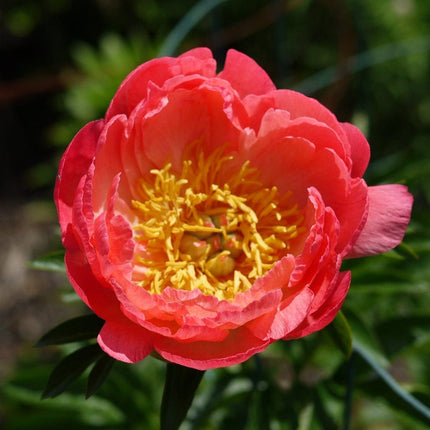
x: 245, y: 75
x: 389, y: 214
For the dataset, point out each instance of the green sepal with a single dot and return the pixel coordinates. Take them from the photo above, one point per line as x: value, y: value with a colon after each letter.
x: 341, y: 334
x: 70, y: 368
x: 74, y: 330
x: 179, y: 389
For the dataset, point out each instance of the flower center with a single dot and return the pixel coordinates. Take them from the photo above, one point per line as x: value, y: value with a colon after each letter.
x: 197, y: 230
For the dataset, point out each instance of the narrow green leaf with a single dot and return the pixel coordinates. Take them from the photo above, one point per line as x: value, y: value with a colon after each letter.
x: 53, y: 262
x: 406, y: 251
x: 396, y: 388
x: 98, y: 374
x: 191, y: 18
x: 341, y: 334
x: 73, y: 330
x: 364, y: 334
x: 68, y: 411
x: 401, y: 333
x: 388, y: 289
x: 70, y: 368
x: 179, y: 389
x: 305, y: 416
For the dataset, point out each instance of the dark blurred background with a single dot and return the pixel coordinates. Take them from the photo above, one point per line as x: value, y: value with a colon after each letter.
x: 62, y: 60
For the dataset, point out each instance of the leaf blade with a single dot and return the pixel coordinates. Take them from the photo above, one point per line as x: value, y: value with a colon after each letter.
x: 396, y: 388
x: 53, y: 262
x: 74, y: 330
x: 69, y: 369
x: 98, y: 374
x: 341, y: 333
x: 179, y: 389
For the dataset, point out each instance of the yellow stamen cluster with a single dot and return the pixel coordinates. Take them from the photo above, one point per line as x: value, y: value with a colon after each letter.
x: 198, y: 233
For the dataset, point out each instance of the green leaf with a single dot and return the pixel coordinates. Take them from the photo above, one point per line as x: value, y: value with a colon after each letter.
x: 402, y: 332
x: 73, y: 330
x: 98, y: 374
x: 70, y: 368
x: 179, y: 390
x: 68, y: 411
x: 53, y: 262
x: 191, y: 18
x: 406, y: 251
x: 341, y: 334
x: 364, y: 334
x: 396, y: 388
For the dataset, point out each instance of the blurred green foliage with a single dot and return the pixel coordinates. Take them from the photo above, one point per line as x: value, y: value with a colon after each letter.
x: 367, y: 61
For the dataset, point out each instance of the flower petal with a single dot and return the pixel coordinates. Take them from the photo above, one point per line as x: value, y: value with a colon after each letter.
x: 99, y: 298
x: 135, y: 86
x: 298, y: 106
x: 389, y: 214
x: 125, y: 341
x: 245, y: 75
x: 236, y: 348
x: 326, y: 313
x: 360, y: 149
x: 74, y: 164
x: 187, y: 117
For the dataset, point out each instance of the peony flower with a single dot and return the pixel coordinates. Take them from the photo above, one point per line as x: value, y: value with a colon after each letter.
x: 207, y: 215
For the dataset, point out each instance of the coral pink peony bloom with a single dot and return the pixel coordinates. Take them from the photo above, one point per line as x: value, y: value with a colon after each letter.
x: 207, y: 215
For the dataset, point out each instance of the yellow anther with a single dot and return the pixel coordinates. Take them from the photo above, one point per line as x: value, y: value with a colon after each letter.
x: 198, y: 230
